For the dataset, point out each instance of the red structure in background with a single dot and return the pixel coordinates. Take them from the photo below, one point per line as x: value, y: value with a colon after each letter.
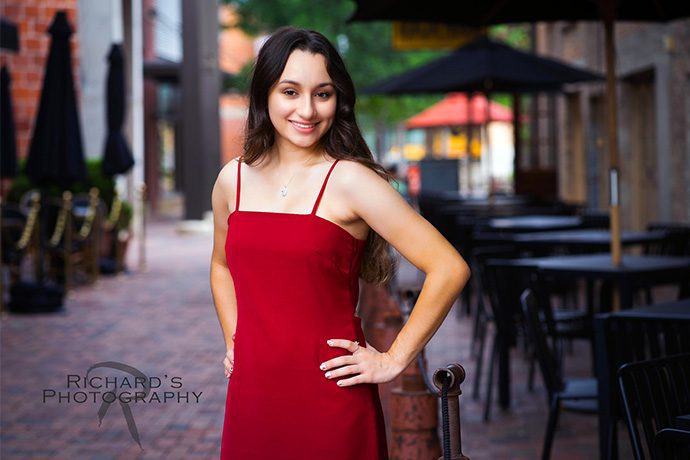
x: 453, y: 110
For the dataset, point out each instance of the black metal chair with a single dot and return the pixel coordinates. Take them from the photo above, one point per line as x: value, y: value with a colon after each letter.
x: 576, y: 395
x: 72, y: 239
x: 676, y: 242
x: 655, y: 393
x: 627, y: 337
x: 563, y: 325
x: 503, y: 284
x: 483, y: 314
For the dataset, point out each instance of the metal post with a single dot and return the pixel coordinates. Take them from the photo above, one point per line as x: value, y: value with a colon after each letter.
x: 453, y: 375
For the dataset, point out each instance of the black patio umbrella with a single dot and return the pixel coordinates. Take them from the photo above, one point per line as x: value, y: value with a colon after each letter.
x: 485, y: 65
x: 117, y: 156
x: 8, y: 141
x: 514, y: 11
x: 9, y: 35
x: 55, y: 154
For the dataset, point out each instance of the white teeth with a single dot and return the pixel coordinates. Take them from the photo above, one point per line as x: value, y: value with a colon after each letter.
x: 300, y: 125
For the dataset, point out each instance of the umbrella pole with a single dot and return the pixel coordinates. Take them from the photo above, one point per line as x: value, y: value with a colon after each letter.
x: 489, y: 159
x: 516, y: 142
x: 613, y: 142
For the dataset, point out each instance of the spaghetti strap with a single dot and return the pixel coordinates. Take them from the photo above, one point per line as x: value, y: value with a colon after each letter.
x: 237, y: 192
x: 323, y: 187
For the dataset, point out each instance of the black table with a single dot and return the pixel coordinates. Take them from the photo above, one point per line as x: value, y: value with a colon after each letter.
x: 579, y: 240
x: 627, y: 336
x: 635, y: 271
x: 533, y: 223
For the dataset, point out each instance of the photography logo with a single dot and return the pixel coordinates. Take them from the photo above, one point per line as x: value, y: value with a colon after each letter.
x: 134, y: 387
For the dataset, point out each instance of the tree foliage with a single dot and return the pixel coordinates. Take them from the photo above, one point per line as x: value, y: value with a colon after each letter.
x: 365, y: 47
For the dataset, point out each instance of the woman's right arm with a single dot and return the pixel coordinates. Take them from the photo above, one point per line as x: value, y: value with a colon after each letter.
x: 222, y: 287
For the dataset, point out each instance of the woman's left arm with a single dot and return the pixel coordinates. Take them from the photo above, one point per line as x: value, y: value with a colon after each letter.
x: 386, y: 212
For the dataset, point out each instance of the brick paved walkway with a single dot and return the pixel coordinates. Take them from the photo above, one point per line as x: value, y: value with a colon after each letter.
x: 162, y: 322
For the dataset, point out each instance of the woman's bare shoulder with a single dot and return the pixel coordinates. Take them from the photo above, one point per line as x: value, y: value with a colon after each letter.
x: 350, y: 173
x: 227, y: 179
x: 228, y: 173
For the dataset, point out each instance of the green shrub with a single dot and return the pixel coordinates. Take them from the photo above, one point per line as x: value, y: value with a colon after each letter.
x: 94, y: 178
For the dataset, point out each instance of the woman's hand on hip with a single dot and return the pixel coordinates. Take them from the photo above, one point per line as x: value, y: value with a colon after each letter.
x: 229, y: 358
x: 365, y: 364
x: 229, y: 362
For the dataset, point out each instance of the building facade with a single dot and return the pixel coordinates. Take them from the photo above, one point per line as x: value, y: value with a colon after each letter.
x: 653, y: 72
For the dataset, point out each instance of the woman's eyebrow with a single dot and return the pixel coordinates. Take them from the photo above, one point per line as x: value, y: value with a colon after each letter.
x: 293, y: 82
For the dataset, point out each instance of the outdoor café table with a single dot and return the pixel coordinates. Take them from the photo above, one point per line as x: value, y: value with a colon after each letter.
x: 578, y: 241
x: 632, y: 335
x: 533, y: 223
x: 635, y: 271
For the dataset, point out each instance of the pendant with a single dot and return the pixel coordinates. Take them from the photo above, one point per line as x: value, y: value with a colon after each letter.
x: 283, y: 190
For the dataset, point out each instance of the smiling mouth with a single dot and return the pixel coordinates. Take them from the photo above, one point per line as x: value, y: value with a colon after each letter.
x: 304, y: 125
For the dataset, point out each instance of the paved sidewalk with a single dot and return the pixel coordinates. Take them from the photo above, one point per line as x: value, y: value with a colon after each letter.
x: 162, y: 322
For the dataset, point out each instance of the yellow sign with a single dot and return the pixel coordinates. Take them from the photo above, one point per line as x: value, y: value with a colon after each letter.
x: 476, y: 148
x: 428, y: 35
x: 457, y: 145
x: 413, y: 152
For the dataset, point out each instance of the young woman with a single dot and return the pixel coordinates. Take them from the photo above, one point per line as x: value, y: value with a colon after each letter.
x: 299, y: 218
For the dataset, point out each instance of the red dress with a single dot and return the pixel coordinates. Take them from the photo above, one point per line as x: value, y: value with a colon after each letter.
x: 296, y: 285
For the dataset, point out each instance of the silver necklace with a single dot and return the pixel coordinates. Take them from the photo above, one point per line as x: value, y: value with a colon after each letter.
x: 284, y: 188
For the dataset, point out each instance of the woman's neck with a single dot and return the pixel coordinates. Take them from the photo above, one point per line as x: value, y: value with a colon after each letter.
x: 284, y: 157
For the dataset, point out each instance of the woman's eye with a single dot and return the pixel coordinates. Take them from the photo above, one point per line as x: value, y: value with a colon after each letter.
x: 290, y: 92
x: 324, y: 95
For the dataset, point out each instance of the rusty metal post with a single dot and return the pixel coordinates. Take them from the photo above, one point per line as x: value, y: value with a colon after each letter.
x: 452, y: 376
x: 414, y: 420
x: 413, y: 405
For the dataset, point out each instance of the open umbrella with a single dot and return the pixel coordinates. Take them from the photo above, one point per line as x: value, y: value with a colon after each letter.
x: 513, y: 11
x: 485, y: 65
x: 8, y: 141
x: 117, y: 156
x: 453, y: 110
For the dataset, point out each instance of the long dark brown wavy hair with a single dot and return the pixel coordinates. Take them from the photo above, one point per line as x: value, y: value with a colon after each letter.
x: 343, y: 140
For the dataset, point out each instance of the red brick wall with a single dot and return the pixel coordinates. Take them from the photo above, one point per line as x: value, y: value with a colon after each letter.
x: 33, y: 17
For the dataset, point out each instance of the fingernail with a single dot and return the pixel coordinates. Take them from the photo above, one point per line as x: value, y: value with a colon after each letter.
x: 339, y: 383
x: 328, y: 375
x: 322, y: 367
x: 330, y: 342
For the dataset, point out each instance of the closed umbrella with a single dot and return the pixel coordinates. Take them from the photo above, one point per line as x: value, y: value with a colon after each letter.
x: 8, y: 141
x: 117, y: 156
x: 9, y: 40
x: 513, y: 11
x: 9, y: 35
x: 55, y: 154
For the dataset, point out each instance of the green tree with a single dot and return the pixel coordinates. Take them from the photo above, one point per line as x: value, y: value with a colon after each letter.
x: 365, y: 47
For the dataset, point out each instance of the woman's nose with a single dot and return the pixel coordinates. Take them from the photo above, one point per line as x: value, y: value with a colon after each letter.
x: 306, y: 109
